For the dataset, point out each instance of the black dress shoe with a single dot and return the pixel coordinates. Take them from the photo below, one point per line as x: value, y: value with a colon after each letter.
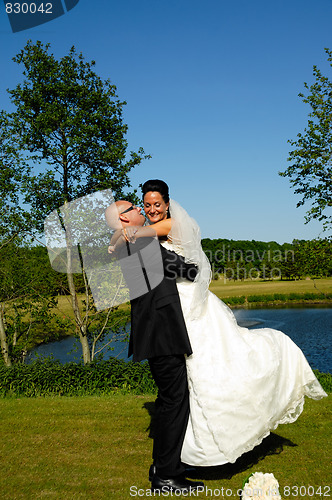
x: 179, y: 483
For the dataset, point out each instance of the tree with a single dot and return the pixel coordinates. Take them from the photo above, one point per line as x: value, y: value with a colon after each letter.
x: 313, y: 257
x: 311, y: 169
x: 25, y: 300
x: 26, y: 304
x: 13, y: 219
x: 69, y: 129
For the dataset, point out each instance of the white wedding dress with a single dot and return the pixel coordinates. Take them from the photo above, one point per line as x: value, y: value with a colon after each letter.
x: 242, y: 383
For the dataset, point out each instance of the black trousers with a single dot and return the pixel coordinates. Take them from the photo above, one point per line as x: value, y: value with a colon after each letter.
x: 171, y: 413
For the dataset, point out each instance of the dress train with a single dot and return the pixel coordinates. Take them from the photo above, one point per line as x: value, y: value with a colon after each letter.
x: 242, y: 383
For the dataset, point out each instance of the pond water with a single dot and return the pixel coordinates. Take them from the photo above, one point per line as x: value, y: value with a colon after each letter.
x: 310, y: 328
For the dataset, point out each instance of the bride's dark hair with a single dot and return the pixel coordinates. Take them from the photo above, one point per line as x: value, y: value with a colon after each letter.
x: 156, y: 185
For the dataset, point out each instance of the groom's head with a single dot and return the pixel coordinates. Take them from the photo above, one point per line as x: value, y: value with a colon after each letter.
x: 122, y: 213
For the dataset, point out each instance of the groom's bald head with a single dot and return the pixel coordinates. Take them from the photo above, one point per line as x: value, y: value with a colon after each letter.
x: 122, y: 213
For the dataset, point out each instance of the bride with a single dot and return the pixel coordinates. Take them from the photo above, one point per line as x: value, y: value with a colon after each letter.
x: 242, y: 383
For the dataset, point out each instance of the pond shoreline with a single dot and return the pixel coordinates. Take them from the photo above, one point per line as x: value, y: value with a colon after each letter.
x: 327, y: 303
x: 280, y: 303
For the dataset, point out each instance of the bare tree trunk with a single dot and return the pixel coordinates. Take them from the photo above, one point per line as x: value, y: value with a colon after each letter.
x: 3, y: 337
x: 15, y: 328
x: 81, y: 325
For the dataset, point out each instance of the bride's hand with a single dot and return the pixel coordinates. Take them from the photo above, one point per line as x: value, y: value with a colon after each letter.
x: 130, y: 233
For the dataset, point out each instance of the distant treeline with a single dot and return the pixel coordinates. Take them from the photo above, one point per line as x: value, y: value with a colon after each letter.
x: 242, y: 259
x: 27, y: 269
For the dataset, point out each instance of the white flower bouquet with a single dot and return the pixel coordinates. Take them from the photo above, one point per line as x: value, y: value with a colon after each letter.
x: 260, y: 486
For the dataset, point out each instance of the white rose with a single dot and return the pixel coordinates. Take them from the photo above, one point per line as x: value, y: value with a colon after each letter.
x: 261, y: 487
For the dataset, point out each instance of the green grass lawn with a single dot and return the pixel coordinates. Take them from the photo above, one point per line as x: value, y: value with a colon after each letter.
x: 97, y: 448
x: 238, y: 288
x: 252, y: 287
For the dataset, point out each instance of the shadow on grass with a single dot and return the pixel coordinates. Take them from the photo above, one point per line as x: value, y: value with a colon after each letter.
x: 271, y: 445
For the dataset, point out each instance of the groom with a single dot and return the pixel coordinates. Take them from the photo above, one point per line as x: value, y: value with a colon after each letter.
x: 159, y: 334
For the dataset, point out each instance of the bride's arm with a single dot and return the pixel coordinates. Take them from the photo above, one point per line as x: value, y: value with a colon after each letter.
x: 159, y: 229
x: 131, y: 233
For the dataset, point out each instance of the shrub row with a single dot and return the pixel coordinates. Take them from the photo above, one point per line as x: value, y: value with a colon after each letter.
x: 283, y: 297
x: 104, y: 377
x: 72, y: 379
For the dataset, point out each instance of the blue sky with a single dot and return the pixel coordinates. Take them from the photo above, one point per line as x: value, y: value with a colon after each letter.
x: 212, y: 94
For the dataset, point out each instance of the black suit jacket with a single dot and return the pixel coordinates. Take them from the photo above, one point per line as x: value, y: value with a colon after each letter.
x: 157, y: 324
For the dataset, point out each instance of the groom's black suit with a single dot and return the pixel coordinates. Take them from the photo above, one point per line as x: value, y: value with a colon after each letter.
x: 159, y: 334
x: 157, y: 323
